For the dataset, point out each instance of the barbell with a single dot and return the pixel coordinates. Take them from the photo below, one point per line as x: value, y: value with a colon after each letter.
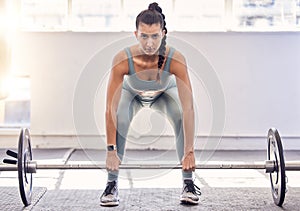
x: 275, y: 165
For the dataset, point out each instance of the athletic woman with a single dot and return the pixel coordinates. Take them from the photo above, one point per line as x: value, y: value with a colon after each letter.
x: 143, y: 75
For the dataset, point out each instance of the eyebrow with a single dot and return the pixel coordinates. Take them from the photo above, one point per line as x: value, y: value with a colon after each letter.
x: 149, y: 34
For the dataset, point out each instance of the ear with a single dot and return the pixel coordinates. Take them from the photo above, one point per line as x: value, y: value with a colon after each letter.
x: 163, y: 33
x: 136, y: 34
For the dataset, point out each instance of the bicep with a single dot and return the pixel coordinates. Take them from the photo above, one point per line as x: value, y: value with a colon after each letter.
x: 114, y: 88
x: 115, y: 82
x: 180, y: 71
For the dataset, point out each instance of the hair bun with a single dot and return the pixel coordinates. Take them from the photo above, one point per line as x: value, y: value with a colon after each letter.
x: 154, y: 6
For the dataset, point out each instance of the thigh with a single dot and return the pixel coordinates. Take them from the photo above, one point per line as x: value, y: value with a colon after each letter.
x: 128, y: 105
x: 168, y: 103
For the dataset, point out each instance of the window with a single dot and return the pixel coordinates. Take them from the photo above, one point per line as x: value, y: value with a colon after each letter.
x: 15, y: 108
x: 95, y: 15
x: 265, y: 15
x: 14, y: 85
x: 199, y: 15
x: 182, y: 15
x: 40, y: 15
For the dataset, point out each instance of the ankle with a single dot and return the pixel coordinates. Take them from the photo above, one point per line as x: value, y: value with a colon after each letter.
x: 187, y: 179
x: 113, y: 181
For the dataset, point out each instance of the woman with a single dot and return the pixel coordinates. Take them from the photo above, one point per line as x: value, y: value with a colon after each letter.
x: 142, y: 76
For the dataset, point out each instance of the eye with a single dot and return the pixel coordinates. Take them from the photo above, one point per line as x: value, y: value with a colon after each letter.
x: 154, y: 36
x: 144, y: 36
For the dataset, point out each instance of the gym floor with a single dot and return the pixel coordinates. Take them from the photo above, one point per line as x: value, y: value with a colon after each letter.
x: 149, y: 189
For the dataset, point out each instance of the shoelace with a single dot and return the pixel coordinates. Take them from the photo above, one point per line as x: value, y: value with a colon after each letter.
x: 110, y: 186
x: 191, y: 187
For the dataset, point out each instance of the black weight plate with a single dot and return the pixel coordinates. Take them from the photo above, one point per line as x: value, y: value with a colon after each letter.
x: 277, y: 178
x: 24, y: 155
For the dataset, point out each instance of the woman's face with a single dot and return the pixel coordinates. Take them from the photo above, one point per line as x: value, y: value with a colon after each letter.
x: 149, y: 37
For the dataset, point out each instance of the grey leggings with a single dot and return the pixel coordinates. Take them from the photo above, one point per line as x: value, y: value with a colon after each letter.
x: 167, y: 103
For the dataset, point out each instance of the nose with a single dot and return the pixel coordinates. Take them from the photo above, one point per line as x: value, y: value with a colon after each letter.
x: 149, y: 42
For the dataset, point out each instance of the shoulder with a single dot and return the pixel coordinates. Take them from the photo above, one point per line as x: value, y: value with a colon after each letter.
x: 120, y: 62
x: 178, y: 62
x: 120, y: 58
x: 177, y: 55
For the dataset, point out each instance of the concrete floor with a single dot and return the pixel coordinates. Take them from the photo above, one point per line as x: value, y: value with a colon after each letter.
x: 149, y: 189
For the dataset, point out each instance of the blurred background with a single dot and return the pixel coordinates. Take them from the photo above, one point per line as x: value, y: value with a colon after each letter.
x: 252, y: 46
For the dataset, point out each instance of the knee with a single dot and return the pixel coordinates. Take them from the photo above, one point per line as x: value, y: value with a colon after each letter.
x: 122, y: 114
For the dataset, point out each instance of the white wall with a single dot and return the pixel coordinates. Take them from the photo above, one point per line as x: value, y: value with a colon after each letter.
x: 246, y: 82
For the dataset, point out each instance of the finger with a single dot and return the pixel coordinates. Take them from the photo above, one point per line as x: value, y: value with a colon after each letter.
x: 115, y: 167
x: 184, y: 167
x: 193, y: 166
x: 110, y: 167
x: 188, y: 165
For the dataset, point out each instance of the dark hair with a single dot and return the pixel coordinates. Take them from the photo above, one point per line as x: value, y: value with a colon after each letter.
x: 151, y: 16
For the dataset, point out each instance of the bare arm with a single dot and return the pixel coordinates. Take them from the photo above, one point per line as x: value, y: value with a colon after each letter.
x: 114, y: 88
x: 179, y: 69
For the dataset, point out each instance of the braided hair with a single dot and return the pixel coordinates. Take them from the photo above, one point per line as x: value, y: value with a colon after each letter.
x: 151, y: 16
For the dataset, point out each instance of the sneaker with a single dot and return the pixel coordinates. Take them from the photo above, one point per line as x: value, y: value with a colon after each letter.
x: 190, y: 193
x: 110, y: 196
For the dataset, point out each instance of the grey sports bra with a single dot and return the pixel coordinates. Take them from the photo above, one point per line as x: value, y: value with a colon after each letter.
x: 148, y: 90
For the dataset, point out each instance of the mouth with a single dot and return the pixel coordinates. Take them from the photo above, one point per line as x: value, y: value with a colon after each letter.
x: 149, y: 50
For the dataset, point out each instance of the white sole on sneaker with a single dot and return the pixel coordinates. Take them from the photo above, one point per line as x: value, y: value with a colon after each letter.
x: 109, y: 204
x: 189, y: 201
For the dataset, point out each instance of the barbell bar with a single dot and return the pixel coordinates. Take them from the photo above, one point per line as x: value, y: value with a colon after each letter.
x: 33, y: 166
x: 274, y: 165
x: 269, y: 166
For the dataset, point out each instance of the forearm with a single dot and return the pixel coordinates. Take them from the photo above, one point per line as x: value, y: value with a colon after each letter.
x: 111, y: 128
x: 189, y: 130
x: 112, y: 159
